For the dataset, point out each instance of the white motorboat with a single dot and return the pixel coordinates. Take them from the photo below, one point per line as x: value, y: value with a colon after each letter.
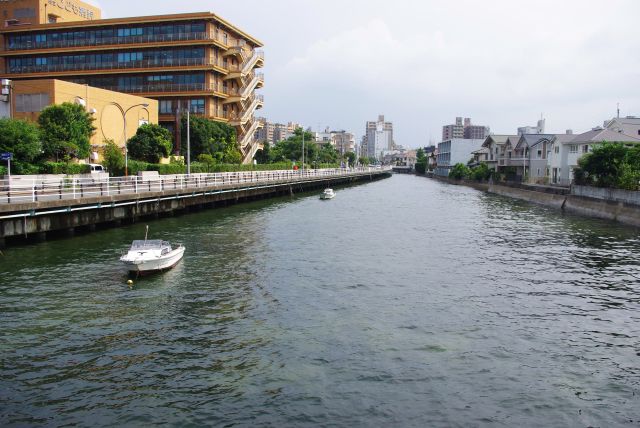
x: 150, y: 256
x: 328, y: 194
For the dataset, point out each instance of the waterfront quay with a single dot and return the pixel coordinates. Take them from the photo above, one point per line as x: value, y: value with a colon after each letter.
x: 35, y: 208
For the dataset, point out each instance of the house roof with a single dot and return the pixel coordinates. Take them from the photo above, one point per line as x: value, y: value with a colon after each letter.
x: 629, y: 125
x: 531, y: 140
x: 599, y: 135
x: 481, y: 150
x: 498, y: 139
x: 563, y: 138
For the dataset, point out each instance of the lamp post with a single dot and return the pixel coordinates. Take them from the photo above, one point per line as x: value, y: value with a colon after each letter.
x: 124, y: 132
x: 303, y: 152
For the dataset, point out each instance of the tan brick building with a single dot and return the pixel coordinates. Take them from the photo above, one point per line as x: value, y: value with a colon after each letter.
x: 192, y: 61
x: 29, y: 97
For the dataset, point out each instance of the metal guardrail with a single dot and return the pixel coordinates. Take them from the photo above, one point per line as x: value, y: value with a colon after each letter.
x: 19, y: 191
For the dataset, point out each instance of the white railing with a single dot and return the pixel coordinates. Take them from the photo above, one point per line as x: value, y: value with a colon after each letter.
x: 17, y: 191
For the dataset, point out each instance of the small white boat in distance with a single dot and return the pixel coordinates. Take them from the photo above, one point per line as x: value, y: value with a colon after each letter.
x: 328, y: 194
x: 150, y: 256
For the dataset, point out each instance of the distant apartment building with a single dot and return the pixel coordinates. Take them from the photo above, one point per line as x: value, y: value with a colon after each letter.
x: 538, y: 129
x: 379, y: 137
x: 264, y: 134
x: 453, y: 151
x: 343, y: 142
x: 271, y: 133
x: 463, y: 128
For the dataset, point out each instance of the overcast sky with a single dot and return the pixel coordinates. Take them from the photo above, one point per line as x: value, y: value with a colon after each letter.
x: 503, y: 63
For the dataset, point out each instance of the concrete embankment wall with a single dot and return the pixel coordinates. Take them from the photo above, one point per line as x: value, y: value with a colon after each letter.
x: 590, y: 207
x: 606, y: 204
x: 38, y: 220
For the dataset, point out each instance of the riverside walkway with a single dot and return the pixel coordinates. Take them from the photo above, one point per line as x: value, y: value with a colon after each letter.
x: 38, y: 206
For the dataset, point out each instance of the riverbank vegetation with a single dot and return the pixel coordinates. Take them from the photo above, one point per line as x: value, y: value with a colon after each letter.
x: 60, y: 140
x: 461, y: 171
x: 610, y: 165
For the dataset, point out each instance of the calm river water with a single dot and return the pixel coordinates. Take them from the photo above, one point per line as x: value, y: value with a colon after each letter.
x: 404, y: 302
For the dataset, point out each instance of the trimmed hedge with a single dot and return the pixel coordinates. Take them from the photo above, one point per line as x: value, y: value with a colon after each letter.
x: 64, y: 168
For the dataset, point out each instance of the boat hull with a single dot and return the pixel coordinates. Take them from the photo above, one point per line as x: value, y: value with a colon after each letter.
x: 155, y: 265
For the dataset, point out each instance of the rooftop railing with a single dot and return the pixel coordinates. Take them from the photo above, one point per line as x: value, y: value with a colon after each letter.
x: 105, y: 41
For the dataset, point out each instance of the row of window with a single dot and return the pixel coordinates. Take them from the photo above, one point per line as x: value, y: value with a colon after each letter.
x: 98, y: 58
x: 195, y: 106
x: 53, y: 38
x: 124, y: 83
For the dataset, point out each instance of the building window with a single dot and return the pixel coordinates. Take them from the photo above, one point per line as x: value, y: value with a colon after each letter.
x: 539, y: 155
x: 29, y: 103
x: 196, y: 106
x: 556, y: 149
x: 573, y: 148
x: 585, y: 148
x: 166, y: 107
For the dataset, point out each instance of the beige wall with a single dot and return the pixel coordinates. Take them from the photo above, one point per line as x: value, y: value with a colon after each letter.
x: 108, y: 117
x: 38, y: 11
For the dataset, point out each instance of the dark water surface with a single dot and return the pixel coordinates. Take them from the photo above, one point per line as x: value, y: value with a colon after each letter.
x: 404, y: 302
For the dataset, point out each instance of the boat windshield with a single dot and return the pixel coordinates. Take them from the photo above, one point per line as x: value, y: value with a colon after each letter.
x: 152, y: 244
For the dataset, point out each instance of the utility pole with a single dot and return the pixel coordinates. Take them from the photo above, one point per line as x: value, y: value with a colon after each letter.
x: 188, y: 142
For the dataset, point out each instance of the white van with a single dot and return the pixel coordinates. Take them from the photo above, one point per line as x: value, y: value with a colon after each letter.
x: 94, y: 167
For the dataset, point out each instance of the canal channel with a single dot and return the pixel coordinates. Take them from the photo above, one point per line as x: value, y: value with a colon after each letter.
x: 401, y: 302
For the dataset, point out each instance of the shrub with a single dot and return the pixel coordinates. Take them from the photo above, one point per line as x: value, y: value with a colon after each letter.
x: 113, y: 158
x: 481, y: 172
x: 459, y: 171
x: 64, y: 168
x: 136, y: 166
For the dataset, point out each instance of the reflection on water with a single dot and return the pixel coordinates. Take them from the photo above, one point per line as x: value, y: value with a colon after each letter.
x: 401, y: 302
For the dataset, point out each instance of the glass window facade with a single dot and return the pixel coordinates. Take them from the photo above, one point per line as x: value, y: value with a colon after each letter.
x: 93, y: 61
x: 148, y: 82
x: 106, y: 36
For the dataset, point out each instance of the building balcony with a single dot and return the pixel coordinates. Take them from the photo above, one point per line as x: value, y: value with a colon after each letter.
x: 108, y: 66
x: 170, y: 88
x: 114, y: 41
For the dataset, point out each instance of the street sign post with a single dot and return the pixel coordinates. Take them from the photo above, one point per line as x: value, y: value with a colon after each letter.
x: 7, y: 157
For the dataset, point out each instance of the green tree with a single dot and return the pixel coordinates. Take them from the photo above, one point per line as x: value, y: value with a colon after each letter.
x: 351, y: 157
x: 21, y: 138
x: 211, y: 138
x: 603, y: 166
x: 66, y: 131
x: 291, y: 148
x: 113, y: 159
x: 459, y: 171
x: 150, y: 144
x: 328, y: 154
x: 421, y: 161
x: 363, y: 160
x: 480, y: 172
x: 263, y: 156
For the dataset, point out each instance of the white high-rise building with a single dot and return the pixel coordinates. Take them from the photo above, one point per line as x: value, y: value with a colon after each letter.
x: 379, y: 137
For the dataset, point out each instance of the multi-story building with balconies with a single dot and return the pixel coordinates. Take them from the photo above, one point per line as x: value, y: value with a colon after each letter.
x: 192, y: 61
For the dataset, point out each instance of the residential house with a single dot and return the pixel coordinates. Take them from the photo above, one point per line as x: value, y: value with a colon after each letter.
x: 495, y: 145
x: 629, y: 125
x: 572, y: 150
x: 530, y: 157
x: 555, y: 156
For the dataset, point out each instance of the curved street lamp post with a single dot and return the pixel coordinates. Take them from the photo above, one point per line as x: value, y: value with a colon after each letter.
x: 124, y: 132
